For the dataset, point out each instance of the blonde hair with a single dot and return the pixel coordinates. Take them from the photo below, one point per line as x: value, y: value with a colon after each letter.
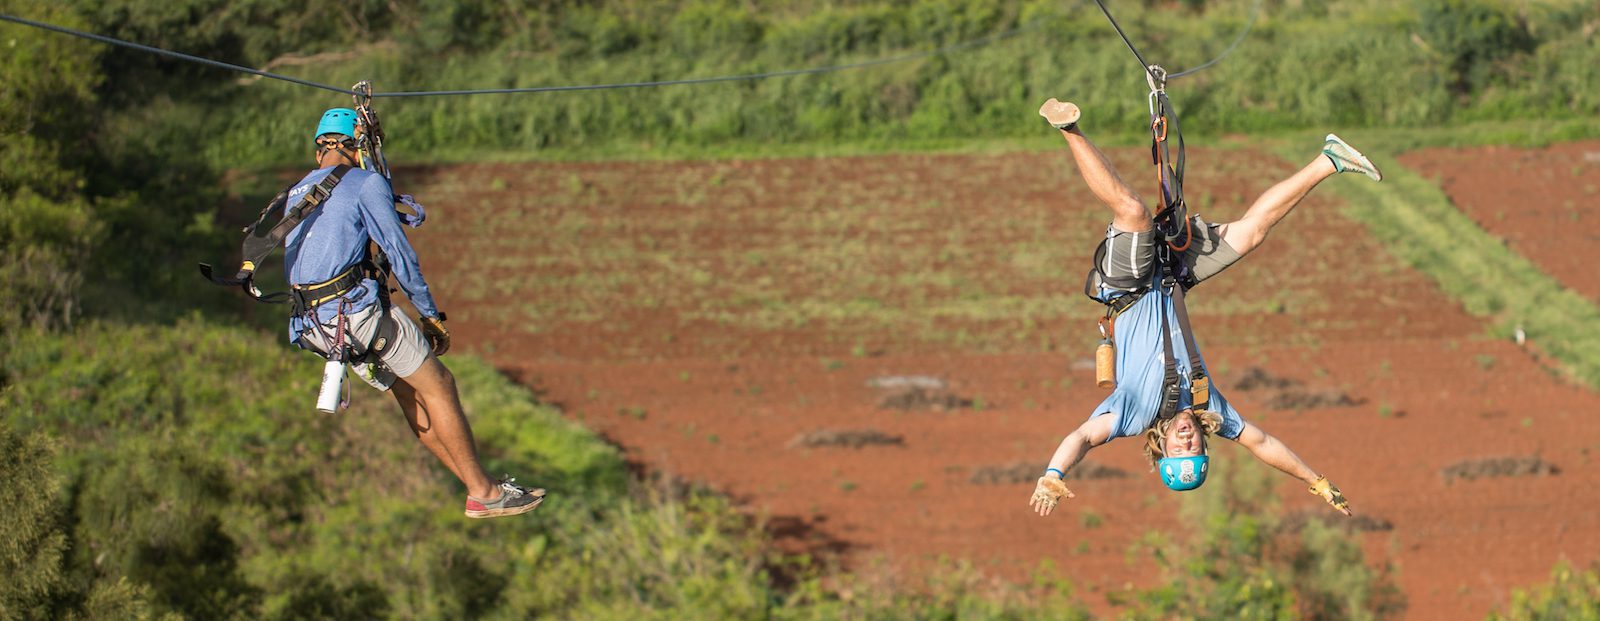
x: 1155, y: 436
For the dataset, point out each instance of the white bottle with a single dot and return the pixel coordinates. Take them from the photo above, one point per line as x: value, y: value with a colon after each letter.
x: 332, y: 381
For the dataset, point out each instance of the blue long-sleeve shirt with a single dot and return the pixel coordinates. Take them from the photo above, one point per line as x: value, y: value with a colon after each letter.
x: 334, y: 238
x: 1142, y: 371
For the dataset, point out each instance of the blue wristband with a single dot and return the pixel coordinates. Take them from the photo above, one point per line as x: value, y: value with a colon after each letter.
x: 1063, y: 475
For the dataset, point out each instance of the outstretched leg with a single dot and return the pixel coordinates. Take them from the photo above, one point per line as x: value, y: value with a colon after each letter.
x: 1249, y: 231
x: 1128, y: 212
x: 433, y: 408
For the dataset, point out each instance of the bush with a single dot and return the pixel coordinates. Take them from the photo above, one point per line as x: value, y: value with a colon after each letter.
x: 1232, y: 560
x: 1572, y: 595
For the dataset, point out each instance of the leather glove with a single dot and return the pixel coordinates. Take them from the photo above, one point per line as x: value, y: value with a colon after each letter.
x: 1328, y: 492
x: 1047, y: 494
x: 433, y: 329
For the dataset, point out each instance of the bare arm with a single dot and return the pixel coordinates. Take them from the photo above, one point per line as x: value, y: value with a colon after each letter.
x: 1091, y: 433
x: 1273, y: 452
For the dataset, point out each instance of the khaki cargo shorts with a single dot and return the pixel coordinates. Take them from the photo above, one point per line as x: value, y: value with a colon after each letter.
x: 402, y: 357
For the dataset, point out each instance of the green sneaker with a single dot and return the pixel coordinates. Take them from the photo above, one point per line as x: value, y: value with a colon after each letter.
x: 1346, y: 158
x: 514, y: 499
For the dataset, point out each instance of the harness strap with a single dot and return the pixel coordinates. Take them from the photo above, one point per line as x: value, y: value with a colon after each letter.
x: 1175, y: 277
x: 1170, y: 381
x: 259, y: 243
x: 306, y: 297
x: 1199, y: 382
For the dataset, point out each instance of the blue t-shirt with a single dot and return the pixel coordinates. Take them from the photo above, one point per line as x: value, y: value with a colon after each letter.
x: 1141, y: 370
x: 334, y: 238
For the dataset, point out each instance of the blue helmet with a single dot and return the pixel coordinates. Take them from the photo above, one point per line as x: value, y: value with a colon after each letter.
x: 337, y: 121
x: 1182, y: 474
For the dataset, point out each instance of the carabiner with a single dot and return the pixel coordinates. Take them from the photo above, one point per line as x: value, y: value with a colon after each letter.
x: 363, y: 94
x: 1156, y: 77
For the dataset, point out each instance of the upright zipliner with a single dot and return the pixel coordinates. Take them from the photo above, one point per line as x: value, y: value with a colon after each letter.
x: 343, y: 234
x: 1141, y: 272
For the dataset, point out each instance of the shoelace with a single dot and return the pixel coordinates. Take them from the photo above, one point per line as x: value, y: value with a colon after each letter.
x: 507, y: 484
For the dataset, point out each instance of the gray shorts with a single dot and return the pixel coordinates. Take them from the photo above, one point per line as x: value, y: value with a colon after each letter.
x: 1133, y: 255
x: 400, y: 359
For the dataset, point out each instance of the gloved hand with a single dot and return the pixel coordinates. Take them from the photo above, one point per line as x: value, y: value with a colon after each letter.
x: 1328, y: 492
x: 1047, y: 494
x: 433, y: 329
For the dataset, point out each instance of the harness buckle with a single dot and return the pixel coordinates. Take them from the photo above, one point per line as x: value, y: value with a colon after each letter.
x: 1169, y: 401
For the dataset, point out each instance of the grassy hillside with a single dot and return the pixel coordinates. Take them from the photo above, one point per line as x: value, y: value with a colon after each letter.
x: 1362, y: 63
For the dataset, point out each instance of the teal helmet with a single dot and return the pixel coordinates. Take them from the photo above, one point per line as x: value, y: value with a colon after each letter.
x: 1182, y: 474
x: 337, y: 121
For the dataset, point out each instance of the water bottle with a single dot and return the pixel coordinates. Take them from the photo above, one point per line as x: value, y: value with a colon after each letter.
x: 1105, y: 364
x: 332, y: 382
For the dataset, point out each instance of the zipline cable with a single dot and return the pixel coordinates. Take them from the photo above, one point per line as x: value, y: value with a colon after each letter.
x: 1254, y: 13
x: 537, y: 89
x: 1142, y: 64
x: 170, y: 54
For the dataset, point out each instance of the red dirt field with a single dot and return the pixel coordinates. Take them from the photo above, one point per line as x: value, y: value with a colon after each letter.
x: 706, y: 316
x: 1541, y: 202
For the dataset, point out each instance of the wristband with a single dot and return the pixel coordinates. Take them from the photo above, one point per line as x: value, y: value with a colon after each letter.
x: 1059, y: 474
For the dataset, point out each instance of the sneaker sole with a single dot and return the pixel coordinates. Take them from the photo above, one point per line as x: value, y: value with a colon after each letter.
x: 1060, y: 114
x: 489, y: 513
x: 1377, y: 175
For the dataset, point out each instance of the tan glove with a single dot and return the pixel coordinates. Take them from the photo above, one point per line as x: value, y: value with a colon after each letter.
x: 1047, y: 494
x: 1328, y: 492
x: 433, y: 329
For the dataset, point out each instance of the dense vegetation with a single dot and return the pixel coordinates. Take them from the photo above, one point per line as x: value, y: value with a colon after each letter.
x: 156, y: 459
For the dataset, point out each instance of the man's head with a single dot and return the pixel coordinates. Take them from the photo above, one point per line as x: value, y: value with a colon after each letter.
x: 1176, y: 448
x: 336, y: 138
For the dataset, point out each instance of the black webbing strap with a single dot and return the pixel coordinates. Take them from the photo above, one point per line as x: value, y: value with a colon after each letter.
x: 260, y: 242
x: 306, y: 297
x: 1172, y: 220
x: 1175, y: 278
x: 1169, y: 384
x: 1199, y: 382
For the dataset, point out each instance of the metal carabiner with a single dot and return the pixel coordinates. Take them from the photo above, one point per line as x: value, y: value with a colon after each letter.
x: 363, y: 94
x: 1156, y: 77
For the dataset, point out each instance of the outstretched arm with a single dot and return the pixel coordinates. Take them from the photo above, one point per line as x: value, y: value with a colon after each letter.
x: 1091, y: 433
x: 1275, y: 453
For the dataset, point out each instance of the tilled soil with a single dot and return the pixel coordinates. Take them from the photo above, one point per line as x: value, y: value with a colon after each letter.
x: 880, y: 353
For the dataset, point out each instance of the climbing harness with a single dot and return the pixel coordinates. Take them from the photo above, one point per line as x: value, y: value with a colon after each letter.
x: 1173, y: 223
x: 260, y: 240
